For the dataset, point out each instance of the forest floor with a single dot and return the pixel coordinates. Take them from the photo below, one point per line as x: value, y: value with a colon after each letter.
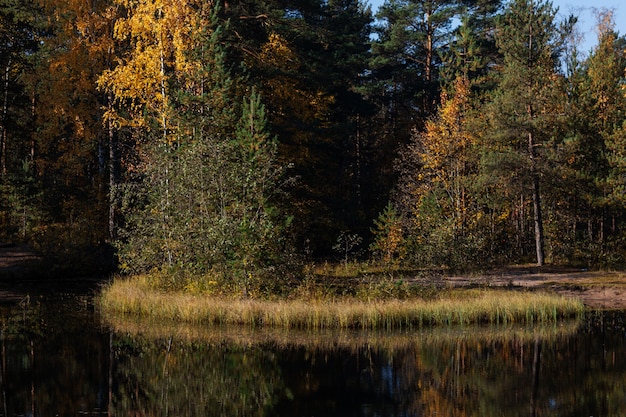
x: 14, y: 257
x: 23, y: 272
x: 596, y: 289
x: 16, y: 264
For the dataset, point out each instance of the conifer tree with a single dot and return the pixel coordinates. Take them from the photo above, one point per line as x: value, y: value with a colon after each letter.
x: 406, y: 53
x: 472, y: 49
x: 308, y: 60
x: 604, y: 162
x: 20, y: 32
x: 525, y: 110
x: 200, y: 203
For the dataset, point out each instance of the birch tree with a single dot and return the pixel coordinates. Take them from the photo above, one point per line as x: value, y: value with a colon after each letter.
x: 435, y: 187
x: 199, y: 202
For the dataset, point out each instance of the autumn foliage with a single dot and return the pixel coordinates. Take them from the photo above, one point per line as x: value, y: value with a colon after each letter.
x: 223, y: 141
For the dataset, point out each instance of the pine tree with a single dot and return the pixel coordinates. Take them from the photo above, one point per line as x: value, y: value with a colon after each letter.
x: 525, y: 109
x: 410, y: 40
x: 20, y: 32
x: 472, y: 49
x: 604, y: 164
x: 308, y: 59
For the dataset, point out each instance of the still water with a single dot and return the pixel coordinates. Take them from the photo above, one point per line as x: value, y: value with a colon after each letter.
x: 58, y: 358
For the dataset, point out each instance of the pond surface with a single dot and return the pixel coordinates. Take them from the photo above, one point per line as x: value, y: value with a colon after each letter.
x: 59, y: 359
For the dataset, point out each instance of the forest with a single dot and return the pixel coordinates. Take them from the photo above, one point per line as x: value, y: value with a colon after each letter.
x: 238, y: 140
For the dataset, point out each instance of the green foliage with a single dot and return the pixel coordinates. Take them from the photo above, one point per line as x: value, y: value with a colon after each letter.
x: 20, y: 190
x: 308, y: 60
x: 472, y: 49
x: 525, y: 111
x: 168, y: 129
x: 203, y: 204
x: 21, y: 206
x: 217, y: 212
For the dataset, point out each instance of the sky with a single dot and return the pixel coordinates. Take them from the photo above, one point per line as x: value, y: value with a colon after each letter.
x: 584, y: 9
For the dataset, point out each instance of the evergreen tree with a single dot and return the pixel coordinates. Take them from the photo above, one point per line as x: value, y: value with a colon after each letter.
x: 472, y: 50
x: 308, y: 60
x: 604, y: 147
x: 20, y: 32
x: 406, y: 56
x: 199, y: 206
x: 525, y: 111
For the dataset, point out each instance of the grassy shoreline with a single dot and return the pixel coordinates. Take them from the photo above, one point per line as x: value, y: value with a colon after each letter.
x: 466, y: 306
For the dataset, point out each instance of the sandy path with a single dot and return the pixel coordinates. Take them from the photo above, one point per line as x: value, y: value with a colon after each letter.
x: 15, y: 262
x: 15, y: 257
x: 597, y: 289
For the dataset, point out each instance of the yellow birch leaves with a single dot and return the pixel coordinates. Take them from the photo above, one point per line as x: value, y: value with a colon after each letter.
x: 442, y: 153
x: 160, y: 34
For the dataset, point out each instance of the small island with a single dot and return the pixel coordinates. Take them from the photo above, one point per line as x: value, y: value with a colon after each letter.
x: 372, y: 303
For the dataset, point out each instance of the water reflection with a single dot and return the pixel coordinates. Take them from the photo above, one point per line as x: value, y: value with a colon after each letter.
x: 52, y: 362
x: 62, y: 361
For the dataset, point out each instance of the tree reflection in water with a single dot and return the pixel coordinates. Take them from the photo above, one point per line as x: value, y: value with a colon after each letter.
x: 469, y: 371
x: 67, y: 363
x: 167, y: 377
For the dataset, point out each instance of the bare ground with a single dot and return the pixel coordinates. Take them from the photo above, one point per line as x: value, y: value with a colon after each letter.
x: 16, y: 264
x: 13, y: 256
x: 597, y: 289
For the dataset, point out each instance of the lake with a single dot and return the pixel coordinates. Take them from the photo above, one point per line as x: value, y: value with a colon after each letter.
x: 59, y: 358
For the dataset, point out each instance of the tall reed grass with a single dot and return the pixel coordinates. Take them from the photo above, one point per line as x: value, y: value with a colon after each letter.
x: 134, y: 297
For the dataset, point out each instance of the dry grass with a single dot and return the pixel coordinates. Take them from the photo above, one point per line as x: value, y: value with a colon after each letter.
x: 333, y: 338
x: 135, y: 297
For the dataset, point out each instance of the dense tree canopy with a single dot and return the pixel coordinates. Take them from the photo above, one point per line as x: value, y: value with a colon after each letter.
x: 216, y: 140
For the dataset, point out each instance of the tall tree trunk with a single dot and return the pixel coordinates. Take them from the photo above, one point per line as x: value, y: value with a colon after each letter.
x: 113, y: 176
x: 536, y: 371
x: 3, y: 122
x: 110, y: 379
x: 358, y: 167
x: 3, y: 372
x: 33, y: 115
x: 538, y: 221
x: 536, y: 202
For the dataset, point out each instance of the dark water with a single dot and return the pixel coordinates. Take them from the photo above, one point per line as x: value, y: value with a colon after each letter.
x: 58, y: 359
